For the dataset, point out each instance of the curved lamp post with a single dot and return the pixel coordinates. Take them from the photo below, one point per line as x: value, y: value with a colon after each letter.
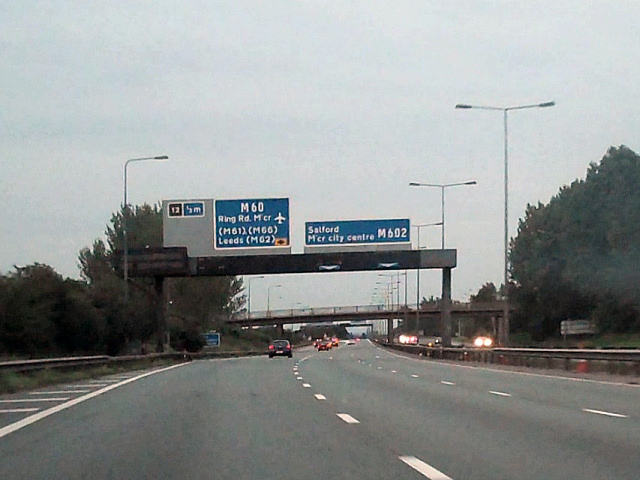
x: 442, y: 188
x: 124, y: 220
x: 505, y: 332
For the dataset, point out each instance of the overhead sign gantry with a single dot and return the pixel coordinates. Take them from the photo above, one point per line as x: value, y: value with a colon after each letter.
x: 206, y: 237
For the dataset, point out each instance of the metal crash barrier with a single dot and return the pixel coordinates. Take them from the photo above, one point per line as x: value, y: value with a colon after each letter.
x: 616, y: 362
x: 103, y: 360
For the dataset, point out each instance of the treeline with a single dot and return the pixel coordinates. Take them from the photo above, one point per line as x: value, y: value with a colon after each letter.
x: 44, y: 314
x: 578, y: 257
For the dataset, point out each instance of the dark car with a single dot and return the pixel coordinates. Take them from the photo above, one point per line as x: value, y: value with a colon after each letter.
x: 280, y: 347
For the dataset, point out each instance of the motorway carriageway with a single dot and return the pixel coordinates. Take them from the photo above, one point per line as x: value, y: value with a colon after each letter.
x: 355, y: 412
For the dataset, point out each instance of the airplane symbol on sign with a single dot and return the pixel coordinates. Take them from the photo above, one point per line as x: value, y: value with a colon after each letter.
x: 280, y: 218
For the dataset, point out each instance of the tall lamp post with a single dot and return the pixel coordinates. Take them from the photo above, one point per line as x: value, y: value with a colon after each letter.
x: 419, y: 226
x: 504, y: 334
x: 269, y: 297
x: 124, y: 220
x: 442, y: 187
x: 388, y: 295
x: 249, y: 294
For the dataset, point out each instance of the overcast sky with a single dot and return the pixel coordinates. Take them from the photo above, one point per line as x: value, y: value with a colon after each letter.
x: 337, y: 105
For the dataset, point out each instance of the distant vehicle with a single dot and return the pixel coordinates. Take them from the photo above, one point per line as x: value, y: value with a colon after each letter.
x: 280, y: 347
x: 483, y: 341
x: 434, y: 342
x: 325, y: 345
x: 408, y: 339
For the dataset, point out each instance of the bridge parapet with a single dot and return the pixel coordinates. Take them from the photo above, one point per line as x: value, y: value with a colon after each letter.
x: 457, y: 308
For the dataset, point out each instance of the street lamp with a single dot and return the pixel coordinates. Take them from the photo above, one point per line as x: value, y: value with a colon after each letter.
x: 505, y: 333
x: 420, y: 226
x: 397, y: 282
x: 249, y: 295
x: 124, y: 220
x: 269, y: 296
x: 442, y: 188
x: 388, y: 293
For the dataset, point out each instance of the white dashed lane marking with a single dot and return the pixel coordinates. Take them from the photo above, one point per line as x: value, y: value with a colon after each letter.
x: 607, y: 414
x: 415, y: 376
x: 500, y: 394
x: 444, y: 382
x: 306, y: 385
x: 424, y: 468
x: 347, y: 418
x: 320, y: 396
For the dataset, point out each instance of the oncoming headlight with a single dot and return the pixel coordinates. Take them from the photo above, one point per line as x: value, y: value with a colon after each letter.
x: 483, y: 342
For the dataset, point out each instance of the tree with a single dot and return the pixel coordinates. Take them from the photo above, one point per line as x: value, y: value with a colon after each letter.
x: 486, y: 294
x: 578, y: 256
x: 44, y: 314
x: 194, y: 305
x: 431, y: 301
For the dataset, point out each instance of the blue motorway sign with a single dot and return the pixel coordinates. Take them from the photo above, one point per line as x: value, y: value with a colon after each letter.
x: 212, y: 339
x: 357, y: 232
x: 254, y: 223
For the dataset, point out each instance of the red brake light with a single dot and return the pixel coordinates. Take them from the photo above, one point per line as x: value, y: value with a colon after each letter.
x: 270, y: 347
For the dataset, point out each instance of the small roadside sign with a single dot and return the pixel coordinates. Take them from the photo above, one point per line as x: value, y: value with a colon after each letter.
x: 577, y: 327
x: 212, y: 338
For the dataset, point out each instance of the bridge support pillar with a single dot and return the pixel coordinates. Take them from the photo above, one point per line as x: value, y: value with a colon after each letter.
x: 160, y: 312
x: 445, y: 320
x: 390, y: 330
x: 280, y: 330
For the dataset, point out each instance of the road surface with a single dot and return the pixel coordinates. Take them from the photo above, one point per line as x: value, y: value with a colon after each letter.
x: 354, y: 412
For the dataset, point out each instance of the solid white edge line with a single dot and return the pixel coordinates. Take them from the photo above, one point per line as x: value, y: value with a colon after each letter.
x: 19, y: 410
x: 602, y: 412
x: 424, y: 468
x: 500, y: 394
x: 347, y: 418
x: 6, y: 430
x: 319, y: 396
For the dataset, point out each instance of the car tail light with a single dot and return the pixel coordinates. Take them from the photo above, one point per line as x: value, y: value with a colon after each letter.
x: 271, y: 347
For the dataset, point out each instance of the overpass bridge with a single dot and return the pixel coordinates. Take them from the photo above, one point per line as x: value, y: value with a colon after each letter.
x: 409, y: 313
